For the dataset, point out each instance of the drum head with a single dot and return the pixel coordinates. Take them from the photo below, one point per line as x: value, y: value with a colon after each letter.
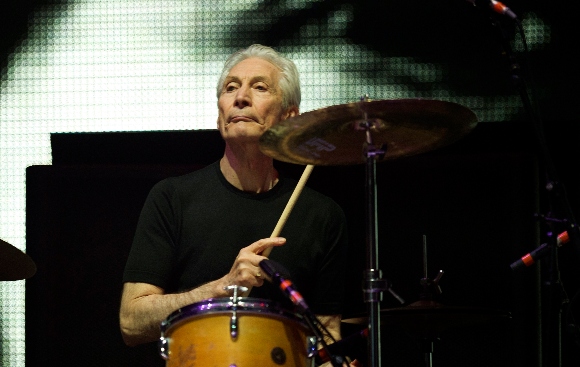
x: 225, y: 305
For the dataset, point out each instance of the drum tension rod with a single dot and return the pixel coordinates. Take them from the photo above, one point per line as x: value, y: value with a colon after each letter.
x: 234, y: 318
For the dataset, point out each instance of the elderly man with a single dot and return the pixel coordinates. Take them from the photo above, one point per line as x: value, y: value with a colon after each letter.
x: 204, y: 231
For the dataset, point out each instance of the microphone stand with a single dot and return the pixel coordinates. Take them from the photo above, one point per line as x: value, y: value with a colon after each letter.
x: 557, y: 200
x: 556, y: 301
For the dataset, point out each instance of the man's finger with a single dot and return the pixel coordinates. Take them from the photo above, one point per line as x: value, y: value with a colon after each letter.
x: 265, y: 243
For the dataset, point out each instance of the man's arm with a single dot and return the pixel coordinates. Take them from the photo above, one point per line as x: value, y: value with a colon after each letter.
x: 144, y: 306
x: 332, y: 324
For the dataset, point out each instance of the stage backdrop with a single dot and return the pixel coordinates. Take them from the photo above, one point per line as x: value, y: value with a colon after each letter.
x: 474, y: 201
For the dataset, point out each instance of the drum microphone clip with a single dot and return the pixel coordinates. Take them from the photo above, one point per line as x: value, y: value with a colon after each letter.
x: 277, y: 274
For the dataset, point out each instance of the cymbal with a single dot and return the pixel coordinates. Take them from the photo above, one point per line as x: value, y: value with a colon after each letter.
x: 334, y: 136
x: 14, y: 264
x: 429, y: 318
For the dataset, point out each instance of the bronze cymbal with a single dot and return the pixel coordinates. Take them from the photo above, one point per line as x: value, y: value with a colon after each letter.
x: 334, y: 136
x: 429, y: 318
x: 14, y: 264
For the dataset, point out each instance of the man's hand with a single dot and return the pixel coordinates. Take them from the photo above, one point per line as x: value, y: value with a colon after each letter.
x: 246, y: 269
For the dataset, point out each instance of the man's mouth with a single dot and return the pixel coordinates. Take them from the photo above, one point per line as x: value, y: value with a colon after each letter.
x: 241, y: 119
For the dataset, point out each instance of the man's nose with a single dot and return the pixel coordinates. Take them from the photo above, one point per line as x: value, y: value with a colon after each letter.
x: 243, y: 97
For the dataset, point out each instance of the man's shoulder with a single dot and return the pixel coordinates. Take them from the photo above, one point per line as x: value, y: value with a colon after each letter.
x: 199, y: 176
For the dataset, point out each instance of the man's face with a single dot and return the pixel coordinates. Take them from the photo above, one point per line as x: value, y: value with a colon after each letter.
x: 251, y: 101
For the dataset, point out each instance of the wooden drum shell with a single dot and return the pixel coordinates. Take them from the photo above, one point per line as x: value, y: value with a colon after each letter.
x: 200, y: 335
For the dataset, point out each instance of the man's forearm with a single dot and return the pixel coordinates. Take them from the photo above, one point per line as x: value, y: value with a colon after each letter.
x: 141, y: 316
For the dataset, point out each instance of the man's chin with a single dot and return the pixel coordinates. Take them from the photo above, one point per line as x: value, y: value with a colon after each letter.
x: 245, y: 128
x: 245, y: 135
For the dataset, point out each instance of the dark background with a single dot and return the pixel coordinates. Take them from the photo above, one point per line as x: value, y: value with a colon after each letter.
x: 475, y: 200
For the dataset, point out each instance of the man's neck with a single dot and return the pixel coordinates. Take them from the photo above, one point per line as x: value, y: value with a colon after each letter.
x: 248, y: 170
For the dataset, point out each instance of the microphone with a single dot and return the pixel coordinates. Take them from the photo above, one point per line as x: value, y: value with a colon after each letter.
x: 346, y: 346
x: 530, y: 258
x: 279, y: 277
x: 498, y: 7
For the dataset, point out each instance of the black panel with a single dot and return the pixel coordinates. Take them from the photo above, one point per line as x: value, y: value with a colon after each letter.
x: 80, y: 223
x: 154, y: 147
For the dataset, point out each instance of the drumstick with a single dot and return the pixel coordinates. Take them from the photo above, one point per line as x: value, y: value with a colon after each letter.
x: 286, y: 212
x: 290, y: 206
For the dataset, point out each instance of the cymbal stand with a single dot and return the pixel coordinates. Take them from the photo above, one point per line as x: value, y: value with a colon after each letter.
x: 374, y: 285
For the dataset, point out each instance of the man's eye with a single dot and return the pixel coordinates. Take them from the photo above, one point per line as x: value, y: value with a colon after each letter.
x: 230, y: 88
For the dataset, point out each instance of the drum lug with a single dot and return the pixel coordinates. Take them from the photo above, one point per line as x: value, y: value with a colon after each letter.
x: 163, y: 343
x: 164, y: 348
x: 234, y: 324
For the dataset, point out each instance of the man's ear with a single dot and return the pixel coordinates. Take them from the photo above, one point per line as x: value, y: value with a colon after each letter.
x: 291, y: 112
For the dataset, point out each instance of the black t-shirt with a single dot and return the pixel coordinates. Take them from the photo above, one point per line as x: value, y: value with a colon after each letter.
x: 192, y: 227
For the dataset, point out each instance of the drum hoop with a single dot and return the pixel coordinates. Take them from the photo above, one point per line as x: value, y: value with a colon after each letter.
x: 245, y: 305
